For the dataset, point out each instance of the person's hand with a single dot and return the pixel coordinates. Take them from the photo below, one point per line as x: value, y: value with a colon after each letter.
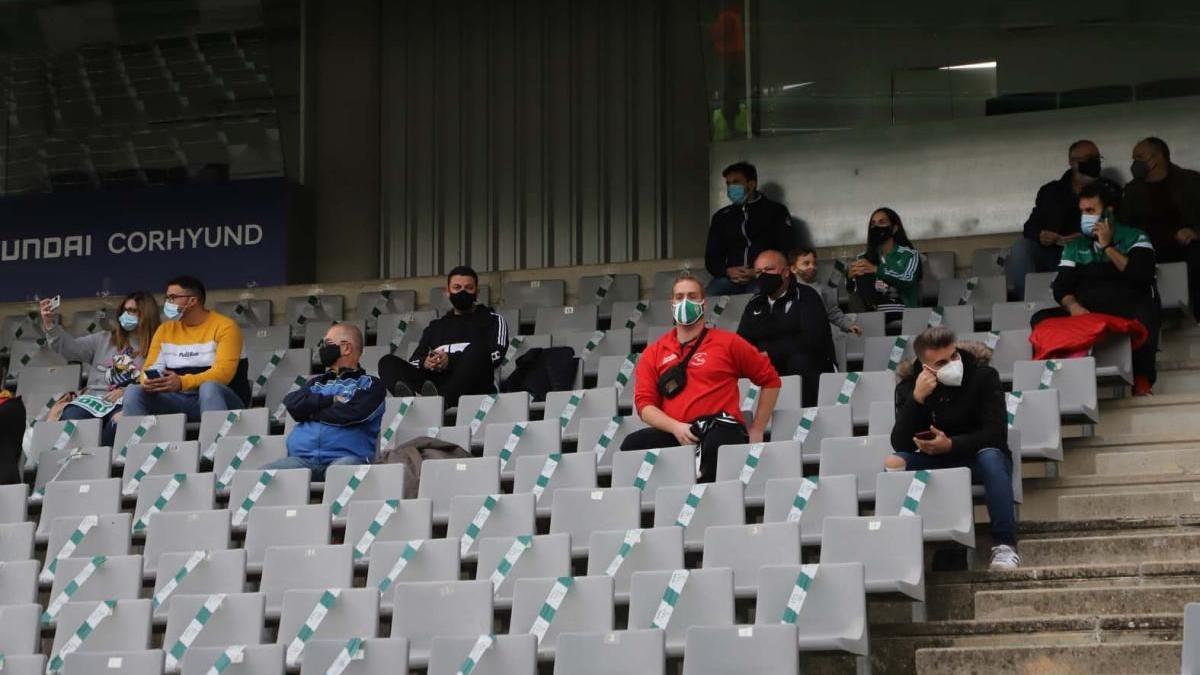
x: 1062, y: 240
x: 1185, y: 236
x: 114, y: 395
x: 168, y: 383
x: 855, y: 328
x: 926, y: 383
x: 739, y: 274
x: 46, y: 307
x: 436, y: 361
x: 682, y: 431
x: 1103, y: 232
x: 1048, y: 238
x: 940, y: 444
x: 1077, y: 309
x: 862, y: 267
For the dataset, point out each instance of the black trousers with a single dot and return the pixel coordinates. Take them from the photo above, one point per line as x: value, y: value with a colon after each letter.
x: 718, y: 435
x: 12, y: 428
x: 470, y: 372
x: 1191, y: 255
x: 1148, y: 313
x: 809, y: 367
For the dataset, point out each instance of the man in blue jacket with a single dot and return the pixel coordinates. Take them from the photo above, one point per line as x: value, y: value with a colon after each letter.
x: 338, y: 412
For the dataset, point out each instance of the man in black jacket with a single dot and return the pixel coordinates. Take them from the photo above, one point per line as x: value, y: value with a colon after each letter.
x: 458, y: 353
x: 1055, y: 217
x: 788, y: 321
x: 950, y: 412
x: 750, y: 225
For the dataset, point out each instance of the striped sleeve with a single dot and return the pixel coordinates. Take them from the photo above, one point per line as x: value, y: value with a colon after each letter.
x: 901, y: 264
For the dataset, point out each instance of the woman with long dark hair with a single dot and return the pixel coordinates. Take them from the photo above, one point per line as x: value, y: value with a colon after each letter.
x: 886, y: 277
x: 112, y: 359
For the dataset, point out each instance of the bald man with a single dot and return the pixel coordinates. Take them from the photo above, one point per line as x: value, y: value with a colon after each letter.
x: 337, y: 412
x: 787, y: 321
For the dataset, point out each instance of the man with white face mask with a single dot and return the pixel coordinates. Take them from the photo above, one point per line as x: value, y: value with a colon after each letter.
x: 949, y: 413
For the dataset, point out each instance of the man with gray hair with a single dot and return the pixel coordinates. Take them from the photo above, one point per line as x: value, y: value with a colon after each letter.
x: 337, y: 412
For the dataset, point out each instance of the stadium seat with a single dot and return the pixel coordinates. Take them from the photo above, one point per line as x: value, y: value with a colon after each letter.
x: 831, y: 421
x: 441, y: 303
x: 568, y: 319
x: 425, y: 610
x: 653, y: 549
x: 316, y: 307
x: 109, y: 536
x: 184, y: 531
x: 834, y: 614
x: 507, y: 408
x: 78, y: 498
x: 959, y: 318
x: 389, y: 327
x: 873, y: 324
x: 706, y: 599
x: 1075, y: 382
x: 789, y: 398
x: 872, y: 386
x: 539, y: 438
x: 877, y: 351
x: 28, y: 664
x: 38, y: 384
x: 607, y: 370
x: 664, y: 280
x: 371, y: 304
x: 435, y: 560
x: 1173, y: 286
x: 598, y: 402
x: 1039, y: 425
x: 720, y: 504
x: 509, y: 365
x: 615, y: 653
x: 46, y: 435
x: 832, y: 496
x: 935, y: 266
x: 382, y: 481
x: 547, y: 555
x: 657, y: 312
x: 255, y: 660
x: 287, y: 568
x: 587, y: 607
x: 376, y: 656
x: 354, y: 614
x: 1038, y: 286
x: 762, y: 650
x: 272, y: 526
x: 237, y: 620
x: 622, y: 287
x: 118, y: 578
x: 591, y: 433
x: 158, y: 429
x: 510, y: 516
x: 889, y: 547
x: 861, y: 457
x: 745, y: 548
x: 412, y: 519
x: 725, y: 311
x: 19, y: 582
x: 1011, y: 346
x: 195, y: 492
x: 288, y: 487
x: 265, y: 339
x: 84, y: 463
x: 580, y: 512
x: 1114, y: 360
x: 249, y: 314
x: 528, y: 296
x: 249, y: 422
x: 31, y: 354
x: 988, y: 291
x: 88, y: 321
x: 444, y: 479
x: 423, y: 412
x: 613, y: 343
x: 507, y: 655
x: 1015, y: 315
x: 778, y: 459
x: 13, y: 502
x: 126, y: 629
x: 672, y: 466
x: 175, y: 457
x: 989, y: 261
x: 255, y: 457
x: 946, y: 510
x: 294, y: 364
x: 20, y: 629
x: 883, y: 418
x: 218, y: 571
x: 16, y: 542
x: 572, y: 470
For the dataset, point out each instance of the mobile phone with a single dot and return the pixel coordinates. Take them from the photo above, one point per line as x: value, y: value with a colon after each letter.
x: 55, y: 302
x: 153, y: 374
x: 925, y: 435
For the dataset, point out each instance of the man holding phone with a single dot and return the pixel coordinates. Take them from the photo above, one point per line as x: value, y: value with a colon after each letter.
x: 949, y: 413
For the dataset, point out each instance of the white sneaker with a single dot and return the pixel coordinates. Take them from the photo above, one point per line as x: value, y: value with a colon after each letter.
x: 1004, y: 557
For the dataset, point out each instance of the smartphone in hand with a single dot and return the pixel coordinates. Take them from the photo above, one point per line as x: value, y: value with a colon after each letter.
x: 153, y: 374
x: 925, y: 435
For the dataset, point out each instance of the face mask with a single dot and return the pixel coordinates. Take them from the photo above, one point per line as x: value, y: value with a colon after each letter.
x: 687, y: 312
x: 329, y: 353
x: 878, y: 235
x: 171, y: 311
x: 951, y: 374
x: 128, y: 321
x: 1089, y: 168
x: 1139, y: 169
x: 736, y: 193
x: 1087, y: 223
x: 462, y: 300
x: 769, y: 283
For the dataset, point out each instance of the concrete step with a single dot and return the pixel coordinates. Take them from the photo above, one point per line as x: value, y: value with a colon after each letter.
x: 1142, y: 502
x: 1172, y: 409
x: 1044, y: 497
x: 1086, y: 659
x: 1169, y: 461
x: 1111, y: 549
x: 1087, y: 601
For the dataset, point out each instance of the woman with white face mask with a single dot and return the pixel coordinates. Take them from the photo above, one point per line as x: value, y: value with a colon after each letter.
x: 113, y: 359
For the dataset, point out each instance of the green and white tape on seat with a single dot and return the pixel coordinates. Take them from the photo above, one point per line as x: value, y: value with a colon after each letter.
x: 64, y: 462
x: 751, y: 396
x: 554, y: 600
x: 510, y: 353
x: 65, y: 435
x: 239, y: 458
x: 102, y: 611
x: 144, y: 470
x: 799, y: 593
x: 256, y: 492
x: 175, y: 654
x: 839, y: 267
x: 393, y: 427
x: 593, y: 342
x: 935, y: 317
x: 718, y: 309
x: 992, y: 339
x: 1052, y: 366
x: 806, y: 424
x: 753, y: 457
x: 670, y: 598
x: 602, y: 290
x: 325, y: 603
x: 347, y: 493
x: 510, y: 443
x: 509, y: 561
x: 268, y: 370
x: 965, y: 298
x: 68, y: 547
x: 646, y: 468
x: 231, y: 418
x: 232, y: 654
x: 477, y: 523
x: 912, y: 499
x: 148, y: 422
x: 632, y: 539
x: 848, y: 386
x: 410, y: 549
x: 543, y: 478
x: 635, y: 317
x: 354, y: 650
x: 690, y: 504
x: 626, y: 371
x: 800, y: 501
x: 27, y: 436
x: 606, y: 438
x: 160, y: 502
x: 281, y: 410
x: 897, y: 353
x: 1012, y: 402
x: 385, y: 513
x: 72, y: 588
x: 485, y: 406
x: 570, y: 408
x: 172, y: 584
x: 397, y: 336
x: 481, y: 646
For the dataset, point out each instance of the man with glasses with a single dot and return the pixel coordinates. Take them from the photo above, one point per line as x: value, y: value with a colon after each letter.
x: 192, y: 365
x: 1055, y: 217
x: 338, y: 412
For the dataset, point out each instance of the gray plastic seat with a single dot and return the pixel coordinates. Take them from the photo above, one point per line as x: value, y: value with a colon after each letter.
x: 778, y: 459
x: 508, y: 655
x: 78, y: 498
x: 935, y: 266
x: 989, y: 261
x: 664, y: 280
x: 382, y: 481
x: 304, y: 567
x: 512, y: 516
x: 119, y: 578
x: 536, y: 438
x: 861, y: 457
x: 255, y: 660
x: 1016, y: 315
x: 508, y: 408
x: 109, y: 536
x: 533, y: 294
x: 380, y: 656
x: 1039, y: 425
x: 27, y: 353
x: 1173, y: 285
x: 267, y: 450
x: 314, y: 307
x: 1075, y: 382
x: 762, y: 650
x: 389, y: 333
x: 219, y: 571
x: 833, y: 496
x: 722, y: 503
x: 19, y: 582
x: 989, y: 289
x: 20, y: 629
x: 195, y: 493
x: 146, y: 662
x: 946, y: 508
x: 435, y: 560
x: 72, y: 464
x: 834, y: 613
x: 371, y: 304
x: 265, y: 339
x: 958, y: 318
x: 626, y: 652
x: 293, y: 363
x: 890, y: 549
x: 574, y: 470
x: 165, y: 428
x: 1038, y: 286
x: 16, y: 542
x: 45, y: 434
x: 873, y: 324
x: 1011, y: 346
x: 872, y: 386
x: 237, y: 620
x: 246, y: 312
x: 524, y: 344
x: 706, y: 600
x: 790, y: 398
x: 587, y: 607
x: 613, y: 343
x: 568, y: 319
x: 1191, y: 639
x: 14, y: 500
x: 657, y: 312
x: 272, y: 526
x: 170, y: 532
x: 177, y: 457
x: 1114, y: 360
x: 548, y: 555
x: 608, y: 368
x: 623, y: 287
x: 444, y: 479
x: 883, y: 418
x: 878, y: 350
x: 745, y: 548
x: 674, y: 466
x: 288, y: 487
x: 355, y: 614
x: 127, y: 629
x: 38, y: 384
x: 423, y: 611
x: 591, y: 431
x: 580, y: 511
x: 597, y: 402
x: 412, y: 519
x: 29, y: 664
x: 423, y: 412
x: 658, y: 548
x: 725, y: 311
x: 248, y: 422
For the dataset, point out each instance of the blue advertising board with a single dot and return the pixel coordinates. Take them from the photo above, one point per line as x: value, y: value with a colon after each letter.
x: 79, y: 244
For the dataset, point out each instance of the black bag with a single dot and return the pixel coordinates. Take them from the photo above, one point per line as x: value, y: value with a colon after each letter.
x: 542, y: 370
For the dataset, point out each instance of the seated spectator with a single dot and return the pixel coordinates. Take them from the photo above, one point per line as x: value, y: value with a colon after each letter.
x: 1163, y: 200
x: 750, y: 225
x: 458, y: 353
x: 1110, y: 269
x: 887, y: 276
x: 788, y: 321
x: 950, y: 412
x: 113, y: 359
x: 803, y: 262
x: 687, y: 385
x: 1055, y: 217
x: 338, y: 412
x: 193, y: 359
x: 12, y: 429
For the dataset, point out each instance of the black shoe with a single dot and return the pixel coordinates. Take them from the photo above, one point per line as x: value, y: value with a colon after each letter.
x: 429, y: 388
x: 402, y: 390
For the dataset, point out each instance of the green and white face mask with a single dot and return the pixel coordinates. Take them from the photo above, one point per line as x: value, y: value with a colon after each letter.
x: 687, y: 312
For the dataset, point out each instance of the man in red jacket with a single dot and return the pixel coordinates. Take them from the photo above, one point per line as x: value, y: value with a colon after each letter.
x: 705, y: 411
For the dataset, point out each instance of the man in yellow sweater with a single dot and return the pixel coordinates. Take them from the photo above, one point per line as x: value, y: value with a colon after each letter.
x: 193, y: 359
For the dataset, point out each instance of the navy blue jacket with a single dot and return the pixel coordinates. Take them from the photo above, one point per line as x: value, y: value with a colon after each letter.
x: 337, y: 414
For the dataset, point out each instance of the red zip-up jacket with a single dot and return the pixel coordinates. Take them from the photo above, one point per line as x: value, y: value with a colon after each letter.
x: 712, y: 375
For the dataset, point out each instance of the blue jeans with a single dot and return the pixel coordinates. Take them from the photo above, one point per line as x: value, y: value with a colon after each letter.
x: 992, y: 468
x: 315, y: 465
x: 1029, y: 256
x: 726, y: 286
x: 209, y: 396
x: 108, y: 426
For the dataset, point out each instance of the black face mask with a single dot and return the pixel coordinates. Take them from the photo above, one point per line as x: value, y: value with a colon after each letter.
x: 878, y: 235
x: 1139, y: 169
x: 1089, y: 167
x: 329, y: 353
x: 769, y: 283
x: 462, y: 300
